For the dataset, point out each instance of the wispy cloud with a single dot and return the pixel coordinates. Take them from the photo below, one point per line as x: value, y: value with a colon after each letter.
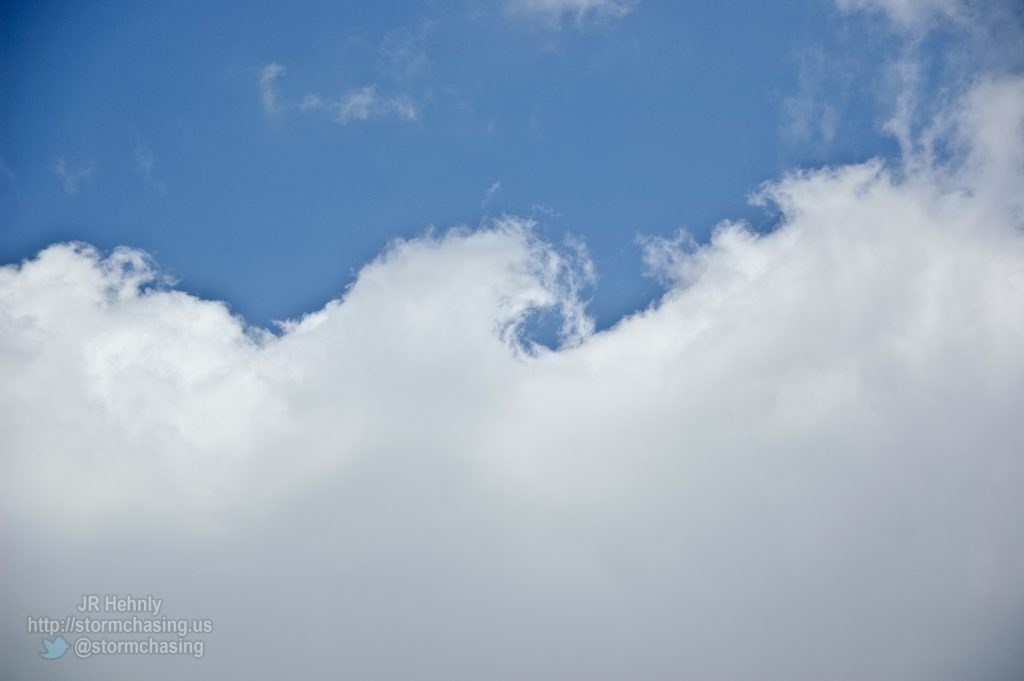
x: 362, y: 105
x: 358, y: 104
x: 553, y: 12
x: 145, y: 163
x: 490, y: 193
x: 5, y: 170
x: 988, y: 38
x: 808, y: 117
x: 268, y: 87
x: 910, y: 14
x: 71, y: 177
x: 402, y: 52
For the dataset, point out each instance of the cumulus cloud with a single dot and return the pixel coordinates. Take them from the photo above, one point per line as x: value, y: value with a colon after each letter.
x: 71, y: 177
x: 361, y: 105
x: 803, y: 462
x: 554, y: 11
x: 269, y: 76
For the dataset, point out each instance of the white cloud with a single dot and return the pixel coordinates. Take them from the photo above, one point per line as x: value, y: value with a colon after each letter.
x: 920, y: 82
x: 920, y: 16
x: 71, y: 177
x: 269, y: 76
x: 803, y: 463
x: 361, y: 105
x: 6, y: 171
x: 553, y: 11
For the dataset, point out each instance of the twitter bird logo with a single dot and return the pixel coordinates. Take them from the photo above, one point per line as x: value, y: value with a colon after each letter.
x: 54, y: 649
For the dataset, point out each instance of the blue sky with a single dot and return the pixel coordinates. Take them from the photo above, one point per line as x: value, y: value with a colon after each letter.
x: 598, y: 126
